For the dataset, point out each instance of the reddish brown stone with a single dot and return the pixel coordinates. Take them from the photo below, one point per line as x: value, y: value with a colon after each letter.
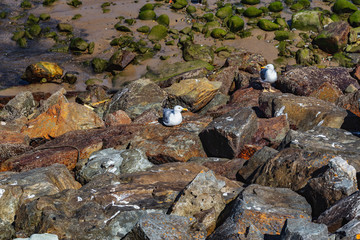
x: 327, y: 92
x: 226, y: 76
x: 117, y: 118
x: 271, y: 131
x: 62, y: 118
x: 247, y: 97
x: 248, y: 151
x: 227, y: 168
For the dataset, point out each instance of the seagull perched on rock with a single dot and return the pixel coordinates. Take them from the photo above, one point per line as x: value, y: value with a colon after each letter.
x: 268, y: 75
x: 172, y: 117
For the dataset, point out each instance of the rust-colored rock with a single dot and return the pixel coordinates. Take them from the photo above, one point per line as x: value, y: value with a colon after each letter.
x: 62, y: 118
x: 246, y: 61
x: 246, y: 97
x: 327, y: 92
x: 271, y: 131
x: 12, y: 144
x: 117, y: 118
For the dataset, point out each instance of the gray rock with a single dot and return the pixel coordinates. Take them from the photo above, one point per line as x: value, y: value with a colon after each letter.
x: 303, y: 113
x: 265, y: 208
x: 349, y: 230
x: 23, y: 104
x: 303, y: 229
x: 137, y: 97
x: 114, y: 161
x: 337, y: 182
x: 20, y: 188
x: 226, y: 135
x: 44, y: 236
x: 124, y: 221
x: 202, y: 199
x: 326, y: 140
x: 342, y: 211
x: 307, y: 20
x: 334, y: 37
x: 258, y: 159
x: 162, y: 226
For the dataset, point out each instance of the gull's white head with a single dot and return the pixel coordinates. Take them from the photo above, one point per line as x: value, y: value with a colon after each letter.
x: 178, y: 108
x: 269, y: 66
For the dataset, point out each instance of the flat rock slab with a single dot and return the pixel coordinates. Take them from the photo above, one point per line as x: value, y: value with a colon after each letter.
x: 303, y: 113
x: 265, y: 208
x: 303, y: 81
x: 162, y: 226
x: 226, y: 135
x: 336, y: 142
x: 193, y: 93
x: 62, y: 118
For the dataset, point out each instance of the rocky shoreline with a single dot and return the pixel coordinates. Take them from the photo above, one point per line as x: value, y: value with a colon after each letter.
x: 97, y: 163
x: 243, y: 164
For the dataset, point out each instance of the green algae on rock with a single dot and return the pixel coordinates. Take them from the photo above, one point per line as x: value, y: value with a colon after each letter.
x: 307, y: 20
x: 354, y: 19
x: 179, y: 4
x: 282, y: 35
x: 78, y: 45
x: 218, y: 33
x: 147, y: 15
x: 43, y: 70
x: 306, y: 57
x: 191, y: 9
x: 250, y: 2
x: 148, y: 6
x: 344, y: 6
x: 166, y: 71
x: 192, y: 52
x: 44, y: 16
x: 157, y: 33
x: 235, y: 23
x: 163, y: 19
x: 224, y: 12
x: 65, y: 27
x: 209, y: 17
x: 276, y: 6
x: 252, y: 12
x: 143, y: 29
x: 268, y: 25
x: 118, y: 26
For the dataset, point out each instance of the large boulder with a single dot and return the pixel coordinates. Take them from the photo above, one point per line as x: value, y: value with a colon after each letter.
x: 21, y: 188
x: 334, y: 37
x: 304, y: 81
x: 263, y: 207
x: 325, y: 140
x: 192, y: 93
x: 137, y: 97
x: 337, y: 182
x: 202, y: 199
x: 62, y: 118
x: 344, y: 6
x: 303, y: 113
x: 226, y: 135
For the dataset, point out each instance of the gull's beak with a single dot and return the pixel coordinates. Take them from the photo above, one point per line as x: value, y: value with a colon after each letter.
x: 185, y: 109
x: 262, y: 67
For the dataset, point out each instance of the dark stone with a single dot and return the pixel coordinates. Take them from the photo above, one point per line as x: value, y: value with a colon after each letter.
x: 303, y: 229
x: 226, y: 135
x: 120, y: 59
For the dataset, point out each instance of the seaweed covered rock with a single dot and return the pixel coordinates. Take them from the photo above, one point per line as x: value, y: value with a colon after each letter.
x: 344, y: 6
x: 147, y: 15
x: 268, y: 25
x: 224, y: 12
x: 43, y: 71
x: 252, y: 12
x: 307, y: 20
x: 179, y: 4
x: 235, y: 23
x: 157, y: 33
x: 276, y: 6
x: 354, y: 19
x: 201, y: 52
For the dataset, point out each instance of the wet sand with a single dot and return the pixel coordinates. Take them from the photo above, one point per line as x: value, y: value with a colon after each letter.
x: 96, y: 26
